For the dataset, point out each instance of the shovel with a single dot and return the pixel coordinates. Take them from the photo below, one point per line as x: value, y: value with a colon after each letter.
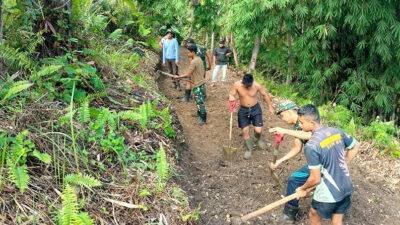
x: 265, y: 209
x: 230, y: 149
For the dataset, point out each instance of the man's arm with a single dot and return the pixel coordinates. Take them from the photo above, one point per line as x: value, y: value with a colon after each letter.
x: 190, y: 71
x: 313, y: 180
x: 352, y: 146
x: 351, y: 153
x: 232, y: 92
x: 302, y: 135
x: 176, y: 51
x: 267, y: 99
x: 314, y: 165
x: 296, y: 149
x: 228, y: 52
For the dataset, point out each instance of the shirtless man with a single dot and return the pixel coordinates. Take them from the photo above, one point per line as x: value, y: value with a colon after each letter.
x: 250, y: 110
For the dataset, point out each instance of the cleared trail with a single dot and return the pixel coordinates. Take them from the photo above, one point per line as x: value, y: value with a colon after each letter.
x: 227, y: 184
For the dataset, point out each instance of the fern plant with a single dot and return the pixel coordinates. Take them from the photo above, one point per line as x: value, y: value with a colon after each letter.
x: 168, y: 128
x: 19, y: 150
x: 79, y: 179
x: 144, y: 114
x: 10, y: 91
x: 162, y: 169
x: 69, y: 213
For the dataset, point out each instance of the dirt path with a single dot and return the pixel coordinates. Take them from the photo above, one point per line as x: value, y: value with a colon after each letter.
x: 224, y: 185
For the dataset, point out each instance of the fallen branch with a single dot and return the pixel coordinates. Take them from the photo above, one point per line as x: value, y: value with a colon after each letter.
x: 124, y: 204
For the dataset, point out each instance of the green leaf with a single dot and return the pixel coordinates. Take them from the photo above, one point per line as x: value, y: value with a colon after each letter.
x: 19, y: 176
x: 16, y: 88
x: 82, y: 180
x: 45, y: 70
x: 44, y: 157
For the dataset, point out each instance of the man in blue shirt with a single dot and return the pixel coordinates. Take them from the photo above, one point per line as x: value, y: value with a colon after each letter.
x: 327, y: 152
x: 170, y: 56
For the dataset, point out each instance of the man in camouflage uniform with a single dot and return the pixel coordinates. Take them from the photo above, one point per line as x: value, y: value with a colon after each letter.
x: 196, y: 83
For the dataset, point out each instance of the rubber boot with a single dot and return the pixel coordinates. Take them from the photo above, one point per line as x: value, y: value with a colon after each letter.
x: 249, y: 148
x: 260, y: 142
x: 290, y: 214
x: 186, y: 96
x: 202, y: 119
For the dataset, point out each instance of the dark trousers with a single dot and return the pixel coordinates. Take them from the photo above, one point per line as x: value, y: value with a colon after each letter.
x: 297, y: 179
x: 172, y: 68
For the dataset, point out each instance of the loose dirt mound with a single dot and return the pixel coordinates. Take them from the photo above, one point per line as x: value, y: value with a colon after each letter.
x: 226, y: 184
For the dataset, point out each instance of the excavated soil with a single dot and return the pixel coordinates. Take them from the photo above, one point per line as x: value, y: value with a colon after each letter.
x: 224, y: 184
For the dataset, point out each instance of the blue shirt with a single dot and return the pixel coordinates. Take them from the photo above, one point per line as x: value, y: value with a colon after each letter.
x: 326, y: 151
x: 170, y: 49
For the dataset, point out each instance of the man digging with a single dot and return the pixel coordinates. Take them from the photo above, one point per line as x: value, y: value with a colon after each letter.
x: 196, y: 83
x: 250, y: 111
x: 287, y: 111
x: 328, y: 153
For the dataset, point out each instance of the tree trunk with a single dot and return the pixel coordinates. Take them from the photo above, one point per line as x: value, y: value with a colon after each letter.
x: 235, y: 55
x: 289, y: 75
x: 254, y: 55
x: 212, y: 41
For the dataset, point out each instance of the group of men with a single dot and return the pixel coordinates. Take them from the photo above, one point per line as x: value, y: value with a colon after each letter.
x: 327, y: 150
x: 194, y: 77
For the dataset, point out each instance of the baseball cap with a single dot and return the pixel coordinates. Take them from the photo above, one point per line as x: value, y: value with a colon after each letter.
x: 286, y: 105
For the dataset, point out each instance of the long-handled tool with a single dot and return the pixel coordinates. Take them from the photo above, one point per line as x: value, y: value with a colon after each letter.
x: 265, y: 209
x: 166, y: 74
x: 278, y: 139
x: 230, y: 149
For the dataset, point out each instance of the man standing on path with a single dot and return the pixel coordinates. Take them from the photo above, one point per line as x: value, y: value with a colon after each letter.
x: 196, y: 78
x: 328, y: 153
x: 221, y: 60
x: 287, y: 111
x: 170, y: 56
x: 201, y: 52
x: 250, y: 110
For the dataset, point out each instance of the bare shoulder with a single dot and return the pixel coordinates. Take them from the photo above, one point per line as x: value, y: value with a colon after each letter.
x: 258, y: 86
x: 237, y: 84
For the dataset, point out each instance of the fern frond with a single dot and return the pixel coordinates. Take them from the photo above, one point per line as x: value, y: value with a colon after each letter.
x: 44, y: 71
x: 84, y: 219
x: 19, y: 176
x: 16, y: 88
x: 68, y: 214
x: 84, y: 112
x: 44, y: 157
x: 82, y: 180
x: 162, y: 168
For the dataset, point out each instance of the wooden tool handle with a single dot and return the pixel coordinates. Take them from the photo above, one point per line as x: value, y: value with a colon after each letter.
x: 166, y: 74
x: 230, y: 126
x: 269, y: 207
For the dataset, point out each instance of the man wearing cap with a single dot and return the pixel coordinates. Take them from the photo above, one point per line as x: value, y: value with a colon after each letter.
x: 170, y: 56
x: 221, y: 60
x: 287, y: 111
x: 196, y: 81
x: 250, y: 110
x: 201, y: 52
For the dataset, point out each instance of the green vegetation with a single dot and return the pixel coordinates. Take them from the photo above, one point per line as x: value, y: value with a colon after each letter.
x: 80, y: 112
x: 343, y: 56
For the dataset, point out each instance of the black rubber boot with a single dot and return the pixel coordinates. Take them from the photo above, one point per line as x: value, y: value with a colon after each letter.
x: 290, y: 213
x: 202, y: 120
